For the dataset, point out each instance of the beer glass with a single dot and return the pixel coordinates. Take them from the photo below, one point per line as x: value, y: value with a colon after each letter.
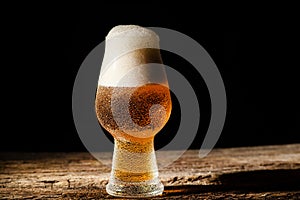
x: 133, y: 104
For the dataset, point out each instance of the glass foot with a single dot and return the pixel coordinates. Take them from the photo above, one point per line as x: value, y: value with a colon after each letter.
x: 135, y: 189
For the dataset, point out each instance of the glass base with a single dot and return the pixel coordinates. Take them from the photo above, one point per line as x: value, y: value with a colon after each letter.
x: 135, y: 189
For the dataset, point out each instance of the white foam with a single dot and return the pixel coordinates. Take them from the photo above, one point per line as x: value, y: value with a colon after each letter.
x: 120, y: 59
x: 131, y: 31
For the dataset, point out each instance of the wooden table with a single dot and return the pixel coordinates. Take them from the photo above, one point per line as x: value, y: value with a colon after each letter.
x: 265, y: 172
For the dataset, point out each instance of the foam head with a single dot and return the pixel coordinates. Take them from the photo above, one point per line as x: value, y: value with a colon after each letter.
x: 127, y: 48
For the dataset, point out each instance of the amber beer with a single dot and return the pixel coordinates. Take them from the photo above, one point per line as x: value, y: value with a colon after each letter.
x: 141, y: 99
x: 133, y: 104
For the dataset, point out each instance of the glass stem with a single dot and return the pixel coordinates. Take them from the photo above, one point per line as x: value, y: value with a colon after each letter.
x: 134, y: 162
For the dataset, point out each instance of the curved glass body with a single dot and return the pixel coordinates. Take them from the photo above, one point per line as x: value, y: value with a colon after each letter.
x: 133, y: 104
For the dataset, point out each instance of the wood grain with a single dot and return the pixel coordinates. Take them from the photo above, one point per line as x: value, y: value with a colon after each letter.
x: 265, y: 172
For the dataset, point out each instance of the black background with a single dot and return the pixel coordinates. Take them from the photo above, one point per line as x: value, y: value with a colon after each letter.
x: 44, y: 46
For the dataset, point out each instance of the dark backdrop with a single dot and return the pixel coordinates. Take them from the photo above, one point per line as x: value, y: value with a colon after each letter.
x: 45, y: 45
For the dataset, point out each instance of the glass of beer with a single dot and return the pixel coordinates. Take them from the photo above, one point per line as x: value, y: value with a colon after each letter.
x: 133, y: 104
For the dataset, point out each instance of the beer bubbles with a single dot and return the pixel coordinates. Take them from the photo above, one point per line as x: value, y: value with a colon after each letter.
x: 133, y: 104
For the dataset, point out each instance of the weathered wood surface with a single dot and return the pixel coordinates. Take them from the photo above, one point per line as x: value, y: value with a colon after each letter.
x: 266, y: 172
